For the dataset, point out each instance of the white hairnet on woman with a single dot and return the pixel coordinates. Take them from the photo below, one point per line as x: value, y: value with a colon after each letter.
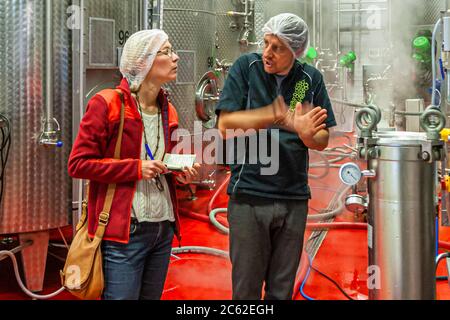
x: 124, y: 151
x: 138, y: 55
x: 291, y: 29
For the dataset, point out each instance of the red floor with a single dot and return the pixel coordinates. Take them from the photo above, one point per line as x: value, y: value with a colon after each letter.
x: 342, y: 256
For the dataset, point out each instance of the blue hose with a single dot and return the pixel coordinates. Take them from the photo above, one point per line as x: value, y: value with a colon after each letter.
x: 441, y: 65
x: 304, y: 295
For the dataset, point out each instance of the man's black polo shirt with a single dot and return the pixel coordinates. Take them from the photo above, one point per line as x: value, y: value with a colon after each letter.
x: 304, y: 83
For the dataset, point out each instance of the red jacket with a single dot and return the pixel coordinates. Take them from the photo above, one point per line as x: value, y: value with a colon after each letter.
x: 93, y: 152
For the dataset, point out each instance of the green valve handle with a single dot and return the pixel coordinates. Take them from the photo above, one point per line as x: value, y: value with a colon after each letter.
x: 348, y: 59
x: 311, y: 54
x: 422, y: 44
x: 422, y: 58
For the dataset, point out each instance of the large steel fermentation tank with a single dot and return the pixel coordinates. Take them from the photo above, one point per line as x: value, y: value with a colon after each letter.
x: 37, y: 195
x: 402, y: 212
x: 54, y: 56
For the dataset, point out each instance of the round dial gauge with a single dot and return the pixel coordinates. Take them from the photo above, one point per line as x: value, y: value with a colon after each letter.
x: 350, y: 174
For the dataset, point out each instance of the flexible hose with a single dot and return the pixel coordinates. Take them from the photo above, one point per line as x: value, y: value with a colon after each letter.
x: 433, y: 62
x: 326, y: 165
x: 193, y: 215
x: 316, y: 217
x: 212, y: 217
x: 22, y: 286
x: 441, y: 257
x: 301, y: 274
x: 333, y: 213
x: 444, y: 245
x: 304, y: 295
x: 201, y: 250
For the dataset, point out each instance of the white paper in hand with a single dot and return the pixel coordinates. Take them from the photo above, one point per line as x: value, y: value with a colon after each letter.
x: 178, y: 162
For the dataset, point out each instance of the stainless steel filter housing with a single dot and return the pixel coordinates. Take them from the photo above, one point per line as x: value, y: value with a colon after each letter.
x: 402, y: 212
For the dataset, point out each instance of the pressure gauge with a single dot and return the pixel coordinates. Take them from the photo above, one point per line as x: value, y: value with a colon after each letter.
x: 350, y: 174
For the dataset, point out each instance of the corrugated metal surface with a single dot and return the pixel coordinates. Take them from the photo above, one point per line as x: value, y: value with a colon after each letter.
x: 190, y: 26
x: 124, y: 13
x: 227, y: 38
x: 431, y: 11
x: 38, y: 188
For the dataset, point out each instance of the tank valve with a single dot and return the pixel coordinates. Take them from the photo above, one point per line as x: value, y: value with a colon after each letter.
x: 50, y: 137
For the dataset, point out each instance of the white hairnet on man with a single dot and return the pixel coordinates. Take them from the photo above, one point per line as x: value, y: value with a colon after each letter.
x: 138, y: 55
x: 292, y: 30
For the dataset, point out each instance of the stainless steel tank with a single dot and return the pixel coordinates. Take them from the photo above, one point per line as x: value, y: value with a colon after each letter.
x: 402, y: 212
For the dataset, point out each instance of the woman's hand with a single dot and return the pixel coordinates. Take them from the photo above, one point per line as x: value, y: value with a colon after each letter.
x: 188, y: 175
x: 152, y: 168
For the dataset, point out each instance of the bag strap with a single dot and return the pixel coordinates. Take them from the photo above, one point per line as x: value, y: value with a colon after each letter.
x: 104, y: 215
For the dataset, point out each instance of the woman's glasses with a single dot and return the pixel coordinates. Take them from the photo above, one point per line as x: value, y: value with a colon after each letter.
x: 168, y: 52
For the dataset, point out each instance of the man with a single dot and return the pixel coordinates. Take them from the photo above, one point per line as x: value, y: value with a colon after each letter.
x: 267, y: 213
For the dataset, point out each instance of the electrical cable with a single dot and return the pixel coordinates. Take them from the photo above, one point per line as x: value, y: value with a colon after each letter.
x: 302, y: 292
x: 302, y: 287
x: 4, y: 150
x: 332, y: 281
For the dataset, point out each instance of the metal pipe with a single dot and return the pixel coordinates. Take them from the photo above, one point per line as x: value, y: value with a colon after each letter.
x: 18, y: 249
x: 350, y: 104
x: 81, y: 96
x: 195, y: 11
x: 338, y: 47
x: 314, y: 25
x: 320, y: 24
x: 49, y: 124
x: 363, y: 10
x: 246, y: 21
x: 390, y: 22
x: 144, y: 14
x: 161, y: 14
x: 433, y: 61
x: 405, y: 113
x: 50, y: 128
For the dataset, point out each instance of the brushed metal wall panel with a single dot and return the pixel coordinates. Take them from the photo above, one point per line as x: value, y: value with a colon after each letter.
x: 37, y: 187
x: 124, y: 13
x: 186, y: 67
x: 431, y: 10
x: 191, y: 27
x: 227, y: 38
x: 102, y: 49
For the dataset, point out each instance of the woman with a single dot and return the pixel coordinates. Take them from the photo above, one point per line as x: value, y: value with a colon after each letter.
x: 143, y: 218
